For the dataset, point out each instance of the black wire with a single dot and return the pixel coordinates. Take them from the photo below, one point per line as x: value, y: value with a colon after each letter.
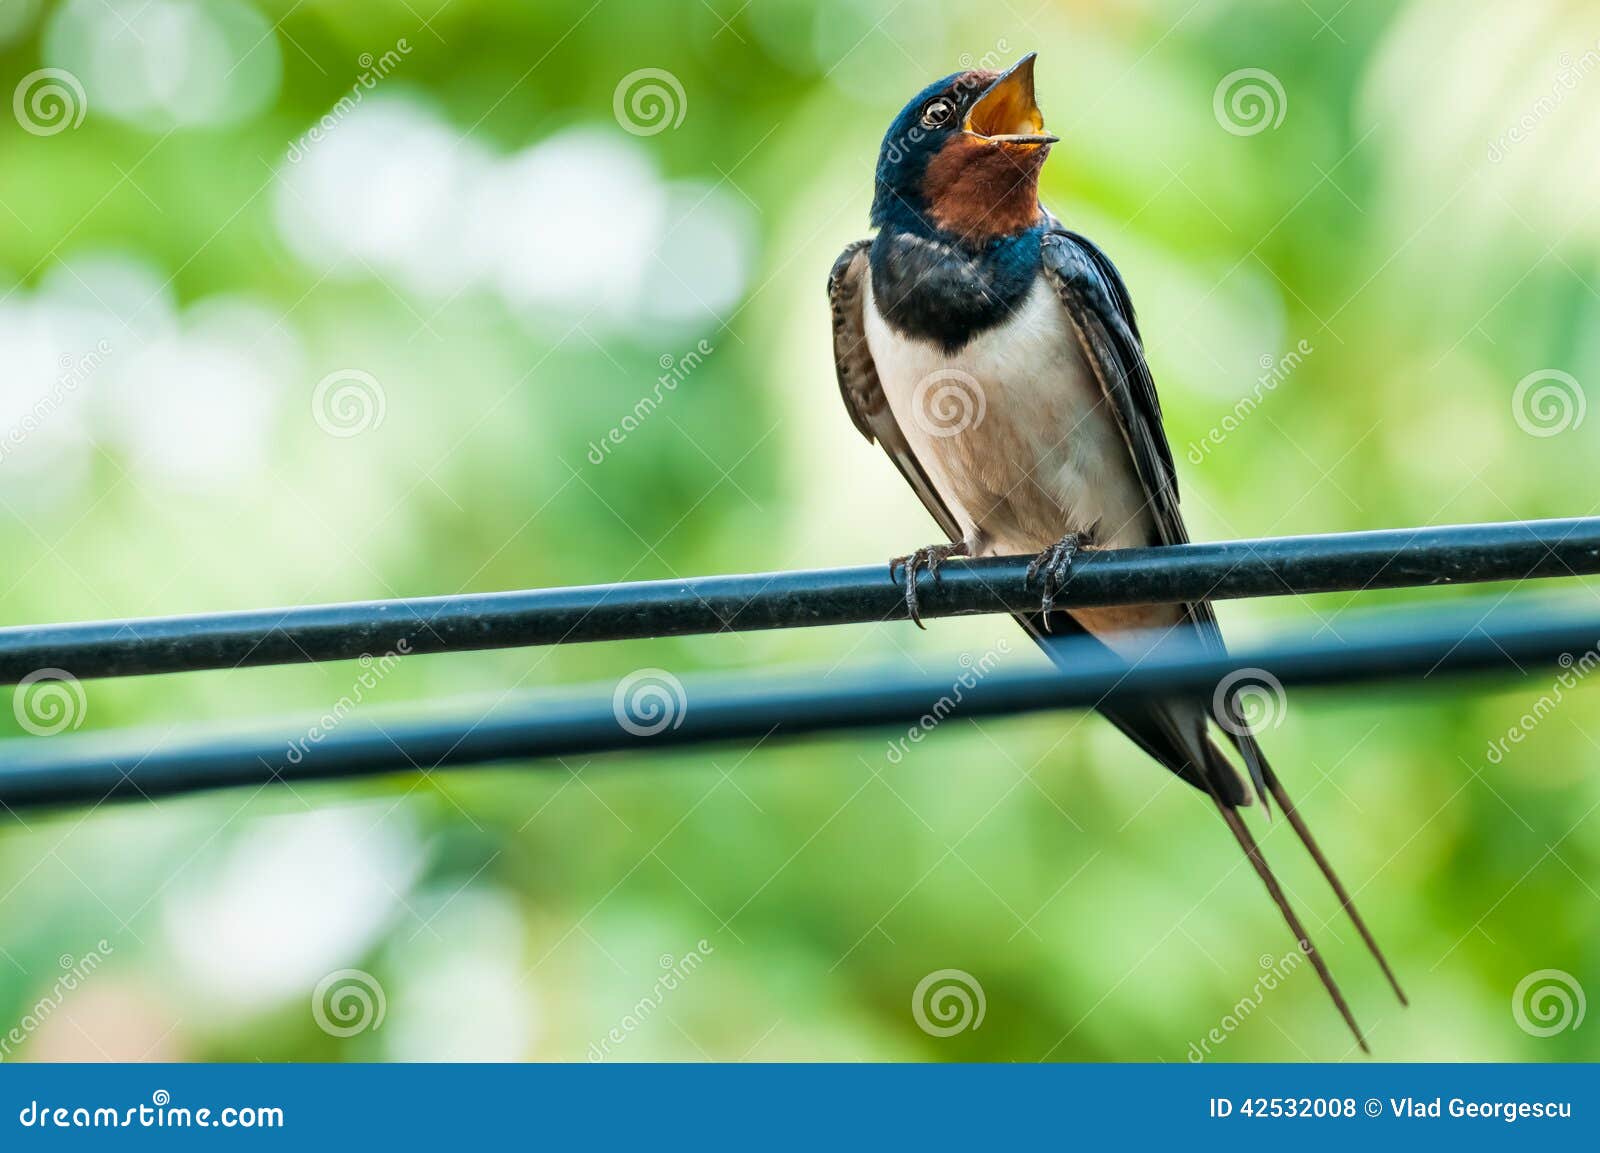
x: 1385, y: 646
x: 1391, y: 558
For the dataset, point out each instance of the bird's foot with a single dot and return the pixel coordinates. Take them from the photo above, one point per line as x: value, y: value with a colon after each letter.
x: 930, y: 558
x: 1054, y: 564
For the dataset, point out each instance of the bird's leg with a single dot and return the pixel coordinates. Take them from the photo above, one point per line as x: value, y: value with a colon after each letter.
x: 1055, y: 564
x: 929, y: 557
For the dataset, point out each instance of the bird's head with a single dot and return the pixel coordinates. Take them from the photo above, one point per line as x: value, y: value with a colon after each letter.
x: 963, y: 158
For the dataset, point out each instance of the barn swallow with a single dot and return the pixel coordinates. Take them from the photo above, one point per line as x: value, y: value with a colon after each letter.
x: 994, y: 355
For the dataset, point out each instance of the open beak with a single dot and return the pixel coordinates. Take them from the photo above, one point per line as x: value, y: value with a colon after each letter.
x: 1007, y: 113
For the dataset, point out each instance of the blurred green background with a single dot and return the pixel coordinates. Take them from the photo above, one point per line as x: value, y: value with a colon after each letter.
x: 384, y: 358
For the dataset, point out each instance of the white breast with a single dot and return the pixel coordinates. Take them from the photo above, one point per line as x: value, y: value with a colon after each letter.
x: 1014, y: 432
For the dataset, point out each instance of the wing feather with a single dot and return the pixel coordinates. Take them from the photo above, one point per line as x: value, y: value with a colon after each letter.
x: 859, y: 383
x: 1101, y: 312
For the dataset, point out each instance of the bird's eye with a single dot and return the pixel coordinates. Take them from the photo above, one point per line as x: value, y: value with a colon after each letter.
x: 937, y: 113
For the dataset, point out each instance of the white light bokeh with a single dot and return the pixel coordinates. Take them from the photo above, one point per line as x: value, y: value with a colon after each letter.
x: 577, y: 227
x: 168, y: 63
x: 101, y: 353
x: 198, y: 404
x: 293, y: 898
x: 463, y: 980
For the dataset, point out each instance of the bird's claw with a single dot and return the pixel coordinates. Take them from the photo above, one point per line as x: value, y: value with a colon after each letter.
x: 930, y: 557
x: 1055, y: 565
